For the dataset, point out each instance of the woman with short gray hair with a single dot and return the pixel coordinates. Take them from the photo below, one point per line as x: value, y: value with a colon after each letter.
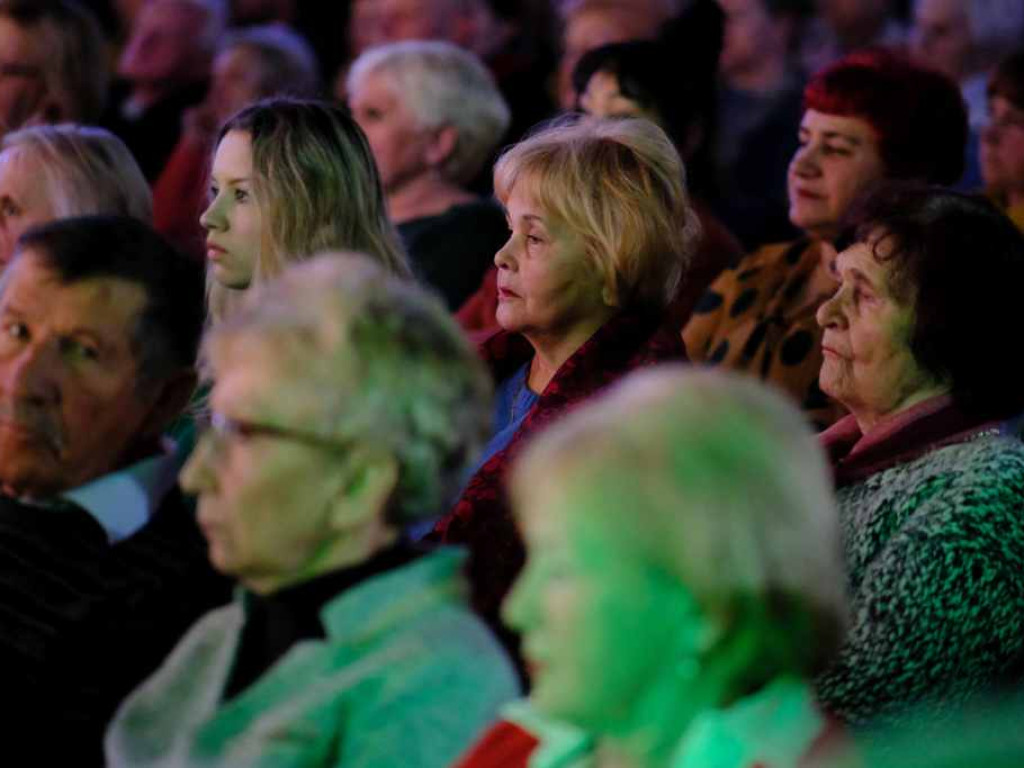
x: 434, y: 117
x: 345, y: 408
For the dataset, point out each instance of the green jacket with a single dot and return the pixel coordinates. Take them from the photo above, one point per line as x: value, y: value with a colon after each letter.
x: 407, y: 676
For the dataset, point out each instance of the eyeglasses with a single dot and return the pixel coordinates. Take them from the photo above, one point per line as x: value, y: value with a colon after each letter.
x: 225, y: 430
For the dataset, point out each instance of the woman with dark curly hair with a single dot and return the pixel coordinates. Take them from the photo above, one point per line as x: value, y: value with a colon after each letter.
x: 869, y: 117
x: 931, y: 496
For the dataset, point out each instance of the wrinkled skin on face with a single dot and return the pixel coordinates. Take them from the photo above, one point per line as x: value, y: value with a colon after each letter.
x: 70, y: 408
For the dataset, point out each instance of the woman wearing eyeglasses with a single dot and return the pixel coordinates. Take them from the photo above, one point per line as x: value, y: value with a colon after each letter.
x: 346, y: 404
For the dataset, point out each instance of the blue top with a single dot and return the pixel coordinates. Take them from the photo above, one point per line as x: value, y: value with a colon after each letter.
x: 513, y: 399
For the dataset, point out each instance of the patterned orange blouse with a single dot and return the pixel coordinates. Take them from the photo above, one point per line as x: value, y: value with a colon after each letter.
x: 759, y: 317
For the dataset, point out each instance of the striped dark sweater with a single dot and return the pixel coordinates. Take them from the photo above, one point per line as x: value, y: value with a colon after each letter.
x: 83, y: 622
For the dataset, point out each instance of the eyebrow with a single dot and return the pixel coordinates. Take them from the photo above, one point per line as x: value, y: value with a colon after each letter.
x: 845, y: 136
x: 861, y: 277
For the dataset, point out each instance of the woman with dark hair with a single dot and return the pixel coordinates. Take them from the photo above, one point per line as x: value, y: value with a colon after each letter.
x: 870, y: 117
x: 627, y: 80
x: 931, y: 496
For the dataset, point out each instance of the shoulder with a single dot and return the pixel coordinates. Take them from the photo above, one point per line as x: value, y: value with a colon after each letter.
x: 986, y: 469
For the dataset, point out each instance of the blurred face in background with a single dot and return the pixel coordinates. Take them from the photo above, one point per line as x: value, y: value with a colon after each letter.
x: 1002, y: 149
x: 593, y: 27
x: 941, y: 36
x: 164, y: 47
x: 22, y: 87
x: 24, y: 200
x: 751, y: 35
x: 603, y: 97
x: 237, y: 81
x: 400, y: 146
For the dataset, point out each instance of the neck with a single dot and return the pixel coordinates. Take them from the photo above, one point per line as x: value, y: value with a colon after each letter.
x: 424, y: 195
x: 551, y: 350
x: 868, y: 419
x: 767, y: 76
x: 648, y: 736
x: 349, y: 549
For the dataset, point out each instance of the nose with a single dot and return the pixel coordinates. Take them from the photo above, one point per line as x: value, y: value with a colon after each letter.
x: 33, y: 374
x: 829, y: 314
x: 519, y: 609
x: 212, y: 219
x: 199, y: 473
x: 505, y: 258
x: 805, y: 161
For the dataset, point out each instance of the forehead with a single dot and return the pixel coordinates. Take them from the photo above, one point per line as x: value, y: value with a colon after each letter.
x: 860, y: 257
x: 939, y: 10
x: 17, y: 44
x: 255, y: 377
x: 239, y: 59
x: 171, y: 17
x: 107, y: 306
x: 850, y: 127
x: 234, y: 154
x: 376, y: 84
x: 521, y: 200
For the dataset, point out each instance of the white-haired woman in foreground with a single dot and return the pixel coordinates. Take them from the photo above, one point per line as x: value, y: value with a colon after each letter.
x: 683, y: 581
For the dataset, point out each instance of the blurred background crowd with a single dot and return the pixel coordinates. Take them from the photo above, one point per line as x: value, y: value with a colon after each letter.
x: 550, y: 383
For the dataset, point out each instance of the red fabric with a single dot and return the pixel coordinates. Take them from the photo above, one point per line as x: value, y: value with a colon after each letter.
x: 896, y: 440
x: 179, y: 197
x: 481, y: 517
x: 505, y: 745
x: 717, y: 249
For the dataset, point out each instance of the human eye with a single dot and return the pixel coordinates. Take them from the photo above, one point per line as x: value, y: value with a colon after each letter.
x: 213, y: 192
x: 14, y: 330
x: 241, y: 195
x: 79, y: 350
x: 9, y: 208
x: 839, y: 150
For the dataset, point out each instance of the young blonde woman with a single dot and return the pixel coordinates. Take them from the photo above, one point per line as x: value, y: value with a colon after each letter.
x: 290, y: 178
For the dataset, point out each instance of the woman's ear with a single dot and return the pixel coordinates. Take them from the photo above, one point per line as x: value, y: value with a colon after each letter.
x: 367, y: 484
x: 442, y: 145
x: 609, y: 295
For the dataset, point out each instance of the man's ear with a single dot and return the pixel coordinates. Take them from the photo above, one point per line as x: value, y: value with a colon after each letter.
x: 442, y: 145
x: 173, y: 394
x: 369, y: 480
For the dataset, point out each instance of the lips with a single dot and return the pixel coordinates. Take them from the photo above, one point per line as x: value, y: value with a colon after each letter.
x: 505, y: 293
x: 214, y: 252
x: 806, y: 194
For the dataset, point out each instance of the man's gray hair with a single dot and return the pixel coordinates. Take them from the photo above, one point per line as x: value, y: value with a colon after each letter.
x: 442, y: 85
x: 380, y: 362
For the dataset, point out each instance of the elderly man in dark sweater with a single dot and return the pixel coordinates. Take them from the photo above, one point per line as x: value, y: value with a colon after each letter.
x: 101, y: 564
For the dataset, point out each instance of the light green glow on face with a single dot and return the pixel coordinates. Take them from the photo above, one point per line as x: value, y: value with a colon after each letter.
x: 602, y: 629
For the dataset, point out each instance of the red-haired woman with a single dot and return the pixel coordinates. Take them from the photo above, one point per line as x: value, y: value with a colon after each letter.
x: 869, y: 117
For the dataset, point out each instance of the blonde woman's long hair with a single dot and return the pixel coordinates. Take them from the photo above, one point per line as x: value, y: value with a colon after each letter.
x: 318, y: 189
